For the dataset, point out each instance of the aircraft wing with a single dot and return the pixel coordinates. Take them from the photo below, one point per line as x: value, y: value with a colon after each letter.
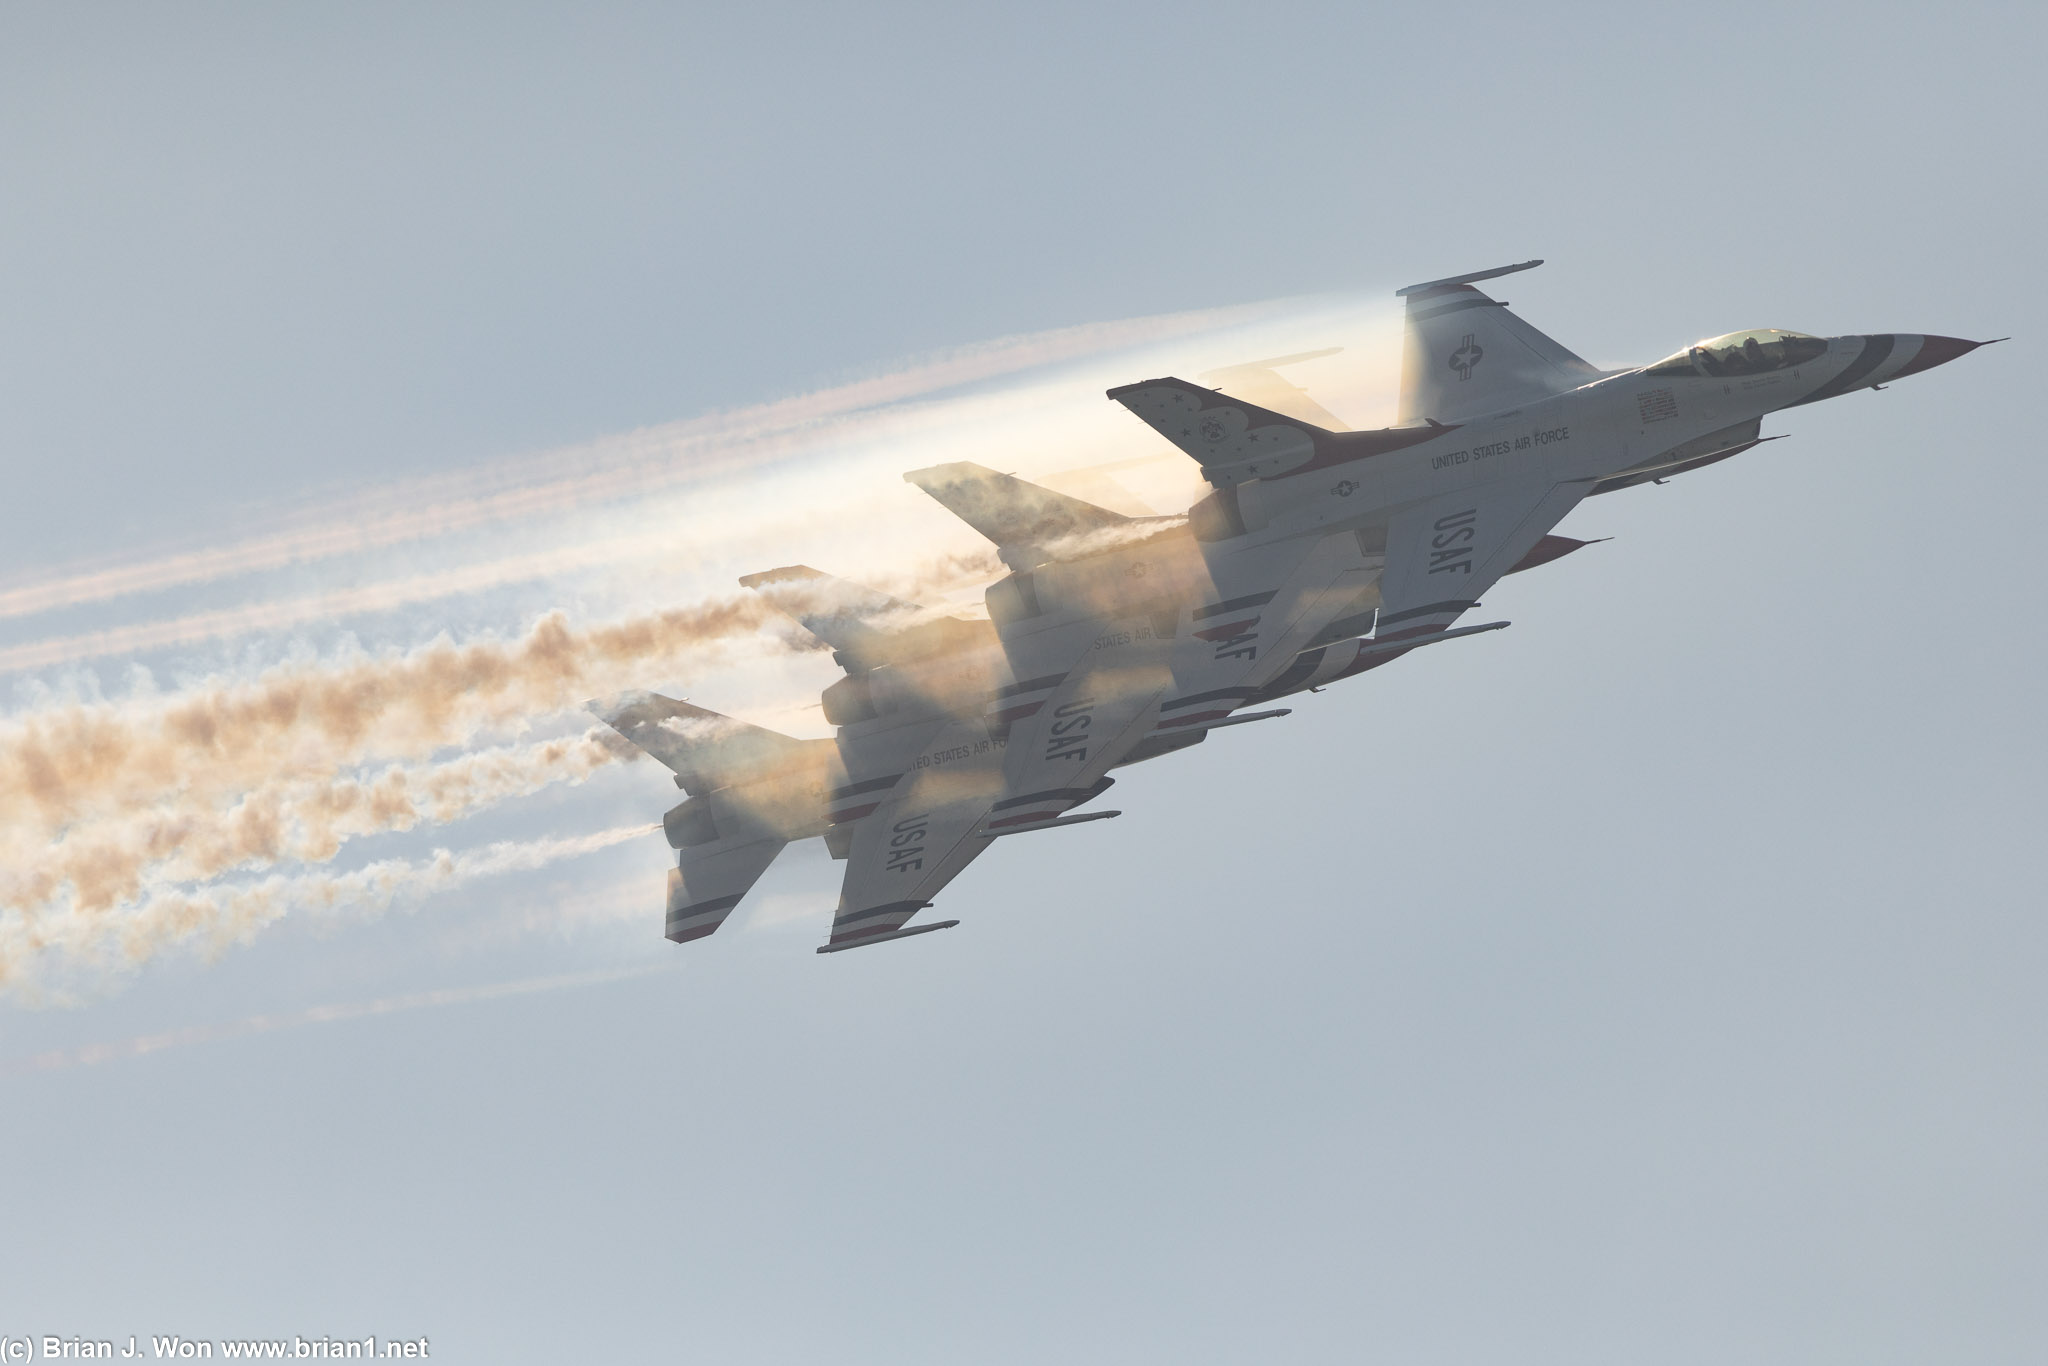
x: 1442, y: 554
x: 919, y: 839
x: 1265, y: 603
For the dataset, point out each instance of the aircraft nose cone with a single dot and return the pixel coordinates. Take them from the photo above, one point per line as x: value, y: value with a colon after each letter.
x: 1935, y: 351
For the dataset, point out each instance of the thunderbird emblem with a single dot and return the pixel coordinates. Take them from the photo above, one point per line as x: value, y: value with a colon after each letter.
x: 1466, y: 356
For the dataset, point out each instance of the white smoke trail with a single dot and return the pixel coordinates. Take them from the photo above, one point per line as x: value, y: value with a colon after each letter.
x: 214, y: 917
x: 312, y: 607
x: 411, y: 590
x: 558, y: 480
x: 703, y: 454
x: 89, y: 1055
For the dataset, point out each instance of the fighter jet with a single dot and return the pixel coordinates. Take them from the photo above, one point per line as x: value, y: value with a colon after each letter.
x: 1321, y: 553
x: 1501, y: 432
x: 1314, y: 535
x: 909, y: 705
x: 902, y: 793
x: 913, y: 787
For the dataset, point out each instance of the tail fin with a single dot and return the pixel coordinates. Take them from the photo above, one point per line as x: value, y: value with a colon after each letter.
x: 1465, y: 355
x: 1029, y: 524
x: 865, y: 627
x: 706, y: 750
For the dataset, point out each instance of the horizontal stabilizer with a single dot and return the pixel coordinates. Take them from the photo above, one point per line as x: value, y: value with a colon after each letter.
x: 707, y: 750
x: 710, y: 882
x: 1029, y: 524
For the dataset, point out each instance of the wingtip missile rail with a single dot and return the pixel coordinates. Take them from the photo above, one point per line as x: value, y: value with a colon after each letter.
x: 1373, y: 647
x: 1052, y: 824
x: 903, y: 933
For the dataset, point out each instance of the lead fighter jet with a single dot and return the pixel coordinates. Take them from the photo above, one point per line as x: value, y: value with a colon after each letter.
x: 1320, y: 553
x: 1501, y: 432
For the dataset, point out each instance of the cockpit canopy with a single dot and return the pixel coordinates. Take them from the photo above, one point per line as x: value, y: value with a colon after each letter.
x: 1744, y: 353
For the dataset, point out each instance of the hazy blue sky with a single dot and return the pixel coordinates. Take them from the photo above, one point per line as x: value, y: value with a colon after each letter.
x: 1659, y: 980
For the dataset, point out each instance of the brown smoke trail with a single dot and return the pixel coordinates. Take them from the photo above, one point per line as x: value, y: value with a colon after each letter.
x: 108, y: 809
x: 104, y: 864
x: 103, y: 805
x: 61, y: 765
x: 215, y: 917
x: 67, y: 764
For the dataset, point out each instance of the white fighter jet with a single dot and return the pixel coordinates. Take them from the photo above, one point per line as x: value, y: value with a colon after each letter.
x: 913, y: 771
x: 1321, y: 553
x: 1501, y: 432
x: 913, y: 786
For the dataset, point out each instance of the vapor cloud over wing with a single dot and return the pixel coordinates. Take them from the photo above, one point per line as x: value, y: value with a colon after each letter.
x: 616, y: 467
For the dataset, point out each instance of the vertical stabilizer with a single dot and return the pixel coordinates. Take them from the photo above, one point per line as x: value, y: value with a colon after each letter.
x: 1465, y: 355
x: 705, y: 749
x: 865, y: 627
x: 1029, y: 524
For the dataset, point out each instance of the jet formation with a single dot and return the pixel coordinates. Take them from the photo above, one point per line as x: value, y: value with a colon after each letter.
x: 1319, y: 553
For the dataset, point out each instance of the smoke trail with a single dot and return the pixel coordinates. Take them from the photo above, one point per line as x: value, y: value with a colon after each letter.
x: 215, y: 917
x: 106, y: 806
x: 107, y: 863
x: 941, y: 571
x: 311, y: 607
x: 63, y: 764
x: 701, y: 453
x: 92, y: 1054
x: 557, y: 480
x: 116, y: 817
